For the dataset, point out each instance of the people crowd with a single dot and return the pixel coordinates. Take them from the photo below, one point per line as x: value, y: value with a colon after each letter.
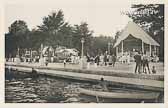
x: 142, y: 63
x: 102, y: 60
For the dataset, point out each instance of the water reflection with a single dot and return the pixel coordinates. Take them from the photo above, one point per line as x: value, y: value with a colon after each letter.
x: 42, y: 89
x: 21, y: 88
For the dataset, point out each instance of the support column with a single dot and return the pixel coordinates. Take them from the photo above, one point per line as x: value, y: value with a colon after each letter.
x: 155, y: 50
x: 116, y: 51
x: 122, y: 49
x: 31, y: 56
x: 41, y: 60
x: 142, y: 47
x: 41, y: 54
x: 150, y: 49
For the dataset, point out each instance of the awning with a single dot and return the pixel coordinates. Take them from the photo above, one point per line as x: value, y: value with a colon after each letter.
x: 137, y: 32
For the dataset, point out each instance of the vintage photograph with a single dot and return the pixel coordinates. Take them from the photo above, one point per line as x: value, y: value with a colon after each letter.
x: 84, y: 52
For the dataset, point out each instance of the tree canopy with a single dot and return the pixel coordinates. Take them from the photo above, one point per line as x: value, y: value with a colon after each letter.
x: 54, y: 31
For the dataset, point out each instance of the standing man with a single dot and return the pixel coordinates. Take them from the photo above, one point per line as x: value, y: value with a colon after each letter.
x: 137, y: 58
x: 105, y: 58
x: 113, y: 60
x: 110, y: 60
x: 97, y: 60
x: 145, y: 63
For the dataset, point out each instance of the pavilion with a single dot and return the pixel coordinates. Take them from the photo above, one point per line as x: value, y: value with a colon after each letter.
x: 133, y: 37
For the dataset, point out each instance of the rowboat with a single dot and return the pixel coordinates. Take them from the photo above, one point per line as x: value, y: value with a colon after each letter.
x: 119, y: 95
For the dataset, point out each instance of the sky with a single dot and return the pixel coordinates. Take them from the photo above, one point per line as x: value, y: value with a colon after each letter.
x: 104, y: 17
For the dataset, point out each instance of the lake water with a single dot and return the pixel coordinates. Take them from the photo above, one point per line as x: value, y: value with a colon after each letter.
x: 22, y: 88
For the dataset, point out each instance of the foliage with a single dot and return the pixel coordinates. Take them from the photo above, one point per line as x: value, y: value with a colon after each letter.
x: 100, y: 44
x: 53, y: 31
x: 151, y: 17
x: 17, y: 28
x: 79, y: 32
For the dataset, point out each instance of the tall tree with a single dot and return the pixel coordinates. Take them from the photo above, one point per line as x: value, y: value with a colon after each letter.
x: 18, y: 27
x: 100, y: 44
x: 151, y: 17
x: 82, y: 31
x: 17, y: 37
x: 55, y: 30
x: 52, y: 22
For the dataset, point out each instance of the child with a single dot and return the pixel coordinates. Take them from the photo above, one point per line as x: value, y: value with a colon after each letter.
x: 153, y: 70
x: 64, y: 63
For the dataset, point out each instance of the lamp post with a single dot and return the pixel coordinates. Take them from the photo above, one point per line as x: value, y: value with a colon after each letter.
x: 109, y: 47
x: 18, y: 50
x: 41, y: 61
x: 82, y: 58
x: 41, y: 54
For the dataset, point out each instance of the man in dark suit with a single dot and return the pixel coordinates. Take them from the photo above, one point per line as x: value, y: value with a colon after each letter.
x: 137, y: 58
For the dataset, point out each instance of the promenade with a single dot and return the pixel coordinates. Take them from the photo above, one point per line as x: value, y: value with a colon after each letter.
x: 120, y: 68
x: 119, y: 75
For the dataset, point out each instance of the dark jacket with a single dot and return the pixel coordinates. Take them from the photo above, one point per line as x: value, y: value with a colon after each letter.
x: 137, y: 58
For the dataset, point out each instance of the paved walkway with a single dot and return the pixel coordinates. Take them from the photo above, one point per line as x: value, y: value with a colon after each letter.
x: 142, y: 83
x: 124, y: 68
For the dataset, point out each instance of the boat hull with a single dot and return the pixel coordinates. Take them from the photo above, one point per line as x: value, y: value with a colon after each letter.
x: 119, y: 95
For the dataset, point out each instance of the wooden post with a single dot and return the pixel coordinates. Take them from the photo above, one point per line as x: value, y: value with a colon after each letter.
x: 155, y: 50
x: 18, y: 52
x: 122, y: 49
x: 150, y: 49
x: 116, y: 51
x: 82, y: 55
x: 41, y: 55
x: 31, y: 56
x: 142, y: 47
x: 109, y: 48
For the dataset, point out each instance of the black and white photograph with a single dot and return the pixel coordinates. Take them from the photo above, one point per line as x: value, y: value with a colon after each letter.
x: 84, y: 52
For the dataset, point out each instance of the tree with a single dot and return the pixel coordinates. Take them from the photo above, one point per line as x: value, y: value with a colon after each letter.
x: 19, y: 27
x: 65, y: 35
x: 82, y: 31
x: 16, y: 37
x: 100, y: 44
x: 55, y: 30
x: 52, y: 22
x: 151, y: 17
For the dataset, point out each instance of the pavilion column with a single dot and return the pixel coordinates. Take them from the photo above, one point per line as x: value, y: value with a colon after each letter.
x: 150, y: 49
x: 155, y: 50
x: 116, y: 51
x: 142, y: 47
x: 122, y: 49
x: 31, y: 54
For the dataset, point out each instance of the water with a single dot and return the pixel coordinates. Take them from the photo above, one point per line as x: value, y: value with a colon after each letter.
x: 21, y: 88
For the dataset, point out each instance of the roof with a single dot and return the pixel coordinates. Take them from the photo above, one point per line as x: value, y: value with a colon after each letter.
x: 72, y: 51
x: 137, y: 32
